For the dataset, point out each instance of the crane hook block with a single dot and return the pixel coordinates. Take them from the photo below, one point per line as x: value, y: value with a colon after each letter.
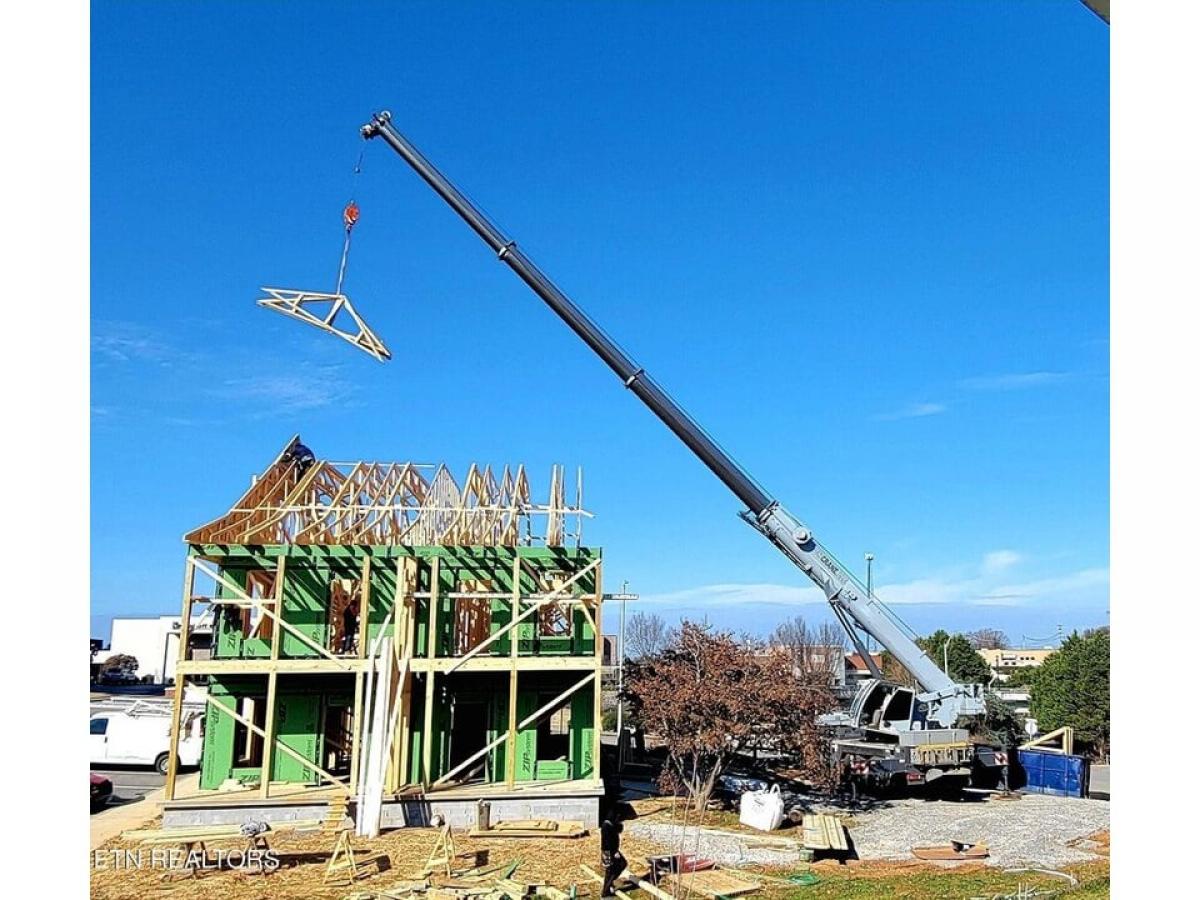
x: 350, y: 214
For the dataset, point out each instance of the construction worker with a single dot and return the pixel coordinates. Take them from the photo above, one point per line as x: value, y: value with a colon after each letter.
x: 349, y: 628
x: 302, y: 457
x: 611, y: 859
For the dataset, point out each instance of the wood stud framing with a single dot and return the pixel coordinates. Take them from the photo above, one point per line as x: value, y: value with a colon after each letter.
x: 392, y: 503
x: 382, y: 505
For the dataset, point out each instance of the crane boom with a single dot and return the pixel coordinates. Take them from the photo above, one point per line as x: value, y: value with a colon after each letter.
x: 944, y: 701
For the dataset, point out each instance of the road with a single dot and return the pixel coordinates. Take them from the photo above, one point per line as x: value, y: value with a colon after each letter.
x: 131, y: 783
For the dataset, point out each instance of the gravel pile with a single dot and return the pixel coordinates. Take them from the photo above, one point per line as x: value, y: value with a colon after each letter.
x: 1033, y: 831
x: 728, y: 848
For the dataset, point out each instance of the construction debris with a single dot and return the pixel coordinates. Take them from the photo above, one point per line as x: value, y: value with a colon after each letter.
x: 711, y: 883
x: 955, y: 850
x: 531, y: 828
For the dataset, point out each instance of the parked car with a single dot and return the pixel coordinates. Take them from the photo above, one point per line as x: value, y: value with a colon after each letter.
x: 118, y: 676
x: 140, y: 740
x: 101, y: 791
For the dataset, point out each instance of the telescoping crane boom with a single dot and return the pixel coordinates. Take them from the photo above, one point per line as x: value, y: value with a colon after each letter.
x: 942, y: 701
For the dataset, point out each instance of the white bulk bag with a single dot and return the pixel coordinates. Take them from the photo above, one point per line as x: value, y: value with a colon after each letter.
x: 761, y: 809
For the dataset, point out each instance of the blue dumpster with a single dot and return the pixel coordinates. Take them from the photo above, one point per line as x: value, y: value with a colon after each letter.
x: 1053, y: 773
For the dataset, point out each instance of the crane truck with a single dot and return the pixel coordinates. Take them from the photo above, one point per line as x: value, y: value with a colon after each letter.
x: 893, y: 735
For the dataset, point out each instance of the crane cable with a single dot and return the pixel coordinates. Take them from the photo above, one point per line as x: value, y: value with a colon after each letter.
x: 349, y: 218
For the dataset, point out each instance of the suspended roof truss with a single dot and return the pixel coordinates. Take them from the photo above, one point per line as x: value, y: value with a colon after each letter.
x: 323, y: 311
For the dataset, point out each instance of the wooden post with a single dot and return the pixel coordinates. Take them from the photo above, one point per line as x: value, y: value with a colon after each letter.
x: 430, y: 676
x: 597, y: 694
x: 272, y: 682
x: 189, y: 578
x: 406, y: 585
x: 431, y: 641
x: 356, y: 727
x: 510, y: 747
x: 364, y: 608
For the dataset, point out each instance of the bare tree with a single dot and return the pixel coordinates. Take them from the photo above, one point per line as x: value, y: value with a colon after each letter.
x: 988, y: 639
x: 646, y: 635
x: 711, y: 697
x: 815, y: 652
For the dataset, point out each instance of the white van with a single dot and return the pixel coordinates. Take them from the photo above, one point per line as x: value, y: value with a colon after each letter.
x: 119, y: 737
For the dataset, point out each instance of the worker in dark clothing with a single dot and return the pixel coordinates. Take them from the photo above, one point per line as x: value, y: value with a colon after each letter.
x: 349, y: 628
x: 611, y: 859
x: 302, y: 457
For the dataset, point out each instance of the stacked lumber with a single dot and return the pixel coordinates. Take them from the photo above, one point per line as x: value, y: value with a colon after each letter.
x: 822, y: 832
x: 709, y: 882
x: 531, y: 828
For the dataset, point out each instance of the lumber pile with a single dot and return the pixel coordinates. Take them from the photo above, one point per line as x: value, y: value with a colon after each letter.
x: 822, y: 832
x: 531, y: 828
x: 712, y: 883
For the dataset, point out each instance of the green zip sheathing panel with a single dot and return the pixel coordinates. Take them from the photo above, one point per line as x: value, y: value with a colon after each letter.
x: 557, y: 751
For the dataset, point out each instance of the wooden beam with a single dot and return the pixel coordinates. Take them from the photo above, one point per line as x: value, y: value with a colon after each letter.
x: 550, y: 598
x: 431, y: 640
x: 597, y: 698
x: 245, y: 599
x: 272, y: 683
x: 355, y: 727
x: 528, y: 720
x: 427, y: 734
x: 364, y: 608
x: 406, y: 583
x: 510, y: 752
x: 263, y: 665
x: 189, y: 578
x: 311, y: 766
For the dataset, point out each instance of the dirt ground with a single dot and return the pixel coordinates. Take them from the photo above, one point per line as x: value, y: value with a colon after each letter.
x: 400, y: 855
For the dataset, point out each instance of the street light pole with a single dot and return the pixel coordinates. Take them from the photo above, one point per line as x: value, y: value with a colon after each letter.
x: 870, y: 558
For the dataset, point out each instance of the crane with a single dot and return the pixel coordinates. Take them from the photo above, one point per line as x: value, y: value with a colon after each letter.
x: 941, y: 703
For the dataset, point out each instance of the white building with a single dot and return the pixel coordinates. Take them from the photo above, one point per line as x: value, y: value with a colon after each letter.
x: 154, y: 642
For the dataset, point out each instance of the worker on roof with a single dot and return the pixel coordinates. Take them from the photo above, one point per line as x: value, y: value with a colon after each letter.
x: 301, y: 456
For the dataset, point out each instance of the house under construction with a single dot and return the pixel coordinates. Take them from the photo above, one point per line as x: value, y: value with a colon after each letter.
x: 385, y: 633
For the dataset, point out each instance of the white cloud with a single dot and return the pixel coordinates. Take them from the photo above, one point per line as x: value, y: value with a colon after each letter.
x: 124, y: 342
x: 1000, y: 561
x: 310, y: 388
x: 735, y: 594
x: 912, y: 411
x: 983, y: 588
x: 1013, y: 381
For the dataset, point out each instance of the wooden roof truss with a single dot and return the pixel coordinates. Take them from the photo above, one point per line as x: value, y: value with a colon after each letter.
x: 395, y: 503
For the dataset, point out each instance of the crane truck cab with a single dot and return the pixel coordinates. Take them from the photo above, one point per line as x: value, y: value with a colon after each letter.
x: 885, y: 743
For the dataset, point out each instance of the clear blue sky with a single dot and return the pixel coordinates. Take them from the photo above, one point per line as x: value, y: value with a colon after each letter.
x: 865, y: 245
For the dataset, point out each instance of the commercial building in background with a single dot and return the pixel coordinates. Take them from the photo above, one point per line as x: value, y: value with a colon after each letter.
x: 154, y: 642
x: 1003, y: 662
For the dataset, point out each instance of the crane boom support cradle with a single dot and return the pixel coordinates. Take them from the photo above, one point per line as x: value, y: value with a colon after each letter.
x: 944, y: 701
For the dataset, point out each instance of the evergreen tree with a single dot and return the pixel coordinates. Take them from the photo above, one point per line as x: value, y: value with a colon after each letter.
x: 965, y: 665
x: 1071, y: 688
